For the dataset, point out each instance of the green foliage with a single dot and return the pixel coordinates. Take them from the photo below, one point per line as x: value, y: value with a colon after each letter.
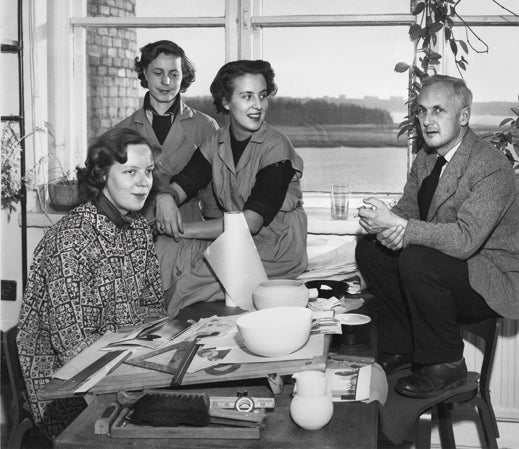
x: 13, y: 184
x: 508, y: 137
x: 433, y: 16
x: 11, y: 179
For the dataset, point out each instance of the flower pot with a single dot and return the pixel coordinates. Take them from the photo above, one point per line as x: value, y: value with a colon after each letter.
x: 63, y: 196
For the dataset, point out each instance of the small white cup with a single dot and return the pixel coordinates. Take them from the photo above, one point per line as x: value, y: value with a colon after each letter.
x: 340, y: 199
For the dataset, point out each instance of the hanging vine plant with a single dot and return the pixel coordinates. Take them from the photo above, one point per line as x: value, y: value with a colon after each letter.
x: 432, y: 18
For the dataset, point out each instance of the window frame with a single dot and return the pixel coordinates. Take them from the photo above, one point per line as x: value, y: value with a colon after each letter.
x: 243, y: 22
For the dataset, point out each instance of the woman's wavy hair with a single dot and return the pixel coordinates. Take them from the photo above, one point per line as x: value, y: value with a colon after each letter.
x: 223, y: 83
x: 150, y: 51
x: 108, y: 149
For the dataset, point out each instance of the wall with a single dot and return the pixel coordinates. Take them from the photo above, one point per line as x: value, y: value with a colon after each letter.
x: 11, y: 266
x: 113, y: 83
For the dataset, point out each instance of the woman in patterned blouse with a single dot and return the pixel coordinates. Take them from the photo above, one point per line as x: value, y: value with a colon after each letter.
x: 94, y: 271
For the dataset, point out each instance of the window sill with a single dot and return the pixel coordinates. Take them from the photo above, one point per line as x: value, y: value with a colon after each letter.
x: 321, y: 222
x: 316, y: 206
x: 42, y: 219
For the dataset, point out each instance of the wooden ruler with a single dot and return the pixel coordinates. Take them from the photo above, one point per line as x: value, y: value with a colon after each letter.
x: 230, y: 402
x: 74, y: 382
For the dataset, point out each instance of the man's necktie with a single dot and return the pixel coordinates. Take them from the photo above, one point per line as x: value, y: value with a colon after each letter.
x: 428, y: 187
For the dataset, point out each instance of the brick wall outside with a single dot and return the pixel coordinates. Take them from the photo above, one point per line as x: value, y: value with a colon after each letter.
x: 113, y: 85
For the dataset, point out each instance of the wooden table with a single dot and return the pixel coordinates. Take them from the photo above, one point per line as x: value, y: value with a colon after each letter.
x: 353, y: 425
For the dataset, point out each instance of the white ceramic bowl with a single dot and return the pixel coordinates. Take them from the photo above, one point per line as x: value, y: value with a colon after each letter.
x: 280, y: 293
x: 275, y: 331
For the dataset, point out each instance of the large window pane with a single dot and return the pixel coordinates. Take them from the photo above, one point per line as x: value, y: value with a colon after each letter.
x: 9, y: 73
x: 493, y: 77
x: 163, y: 8
x: 345, y: 103
x: 488, y: 7
x: 180, y: 8
x: 282, y: 7
x: 8, y: 14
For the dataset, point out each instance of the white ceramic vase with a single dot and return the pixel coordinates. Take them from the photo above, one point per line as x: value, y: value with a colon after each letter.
x: 311, y: 407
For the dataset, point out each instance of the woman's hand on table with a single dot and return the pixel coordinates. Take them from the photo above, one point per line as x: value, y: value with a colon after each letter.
x: 168, y: 217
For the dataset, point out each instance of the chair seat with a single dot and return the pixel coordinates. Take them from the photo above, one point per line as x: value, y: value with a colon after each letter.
x: 399, y: 413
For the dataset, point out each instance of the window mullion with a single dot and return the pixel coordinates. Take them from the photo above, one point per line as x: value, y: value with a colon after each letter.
x: 232, y: 13
x: 60, y: 86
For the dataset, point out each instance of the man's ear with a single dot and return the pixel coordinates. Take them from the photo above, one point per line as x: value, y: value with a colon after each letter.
x: 465, y: 116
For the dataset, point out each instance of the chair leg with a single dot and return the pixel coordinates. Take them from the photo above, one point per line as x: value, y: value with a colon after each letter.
x: 445, y: 426
x: 488, y: 422
x: 423, y: 440
x: 16, y: 436
x: 485, y: 395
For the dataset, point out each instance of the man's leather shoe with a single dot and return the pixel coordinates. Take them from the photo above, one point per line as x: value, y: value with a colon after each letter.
x: 433, y: 380
x: 391, y: 363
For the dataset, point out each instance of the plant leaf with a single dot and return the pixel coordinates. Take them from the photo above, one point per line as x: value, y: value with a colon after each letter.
x: 418, y: 72
x: 435, y: 27
x: 415, y: 31
x: 506, y: 120
x: 419, y: 8
x: 454, y: 47
x: 405, y: 129
x: 464, y: 46
x: 401, y: 67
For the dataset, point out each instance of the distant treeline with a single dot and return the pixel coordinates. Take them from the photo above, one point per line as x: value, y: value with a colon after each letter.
x: 285, y: 111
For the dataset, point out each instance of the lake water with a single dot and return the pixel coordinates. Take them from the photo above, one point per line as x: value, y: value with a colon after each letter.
x: 364, y: 169
x: 368, y: 169
x: 475, y: 119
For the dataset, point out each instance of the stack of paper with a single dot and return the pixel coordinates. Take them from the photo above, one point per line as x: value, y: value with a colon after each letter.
x: 330, y: 257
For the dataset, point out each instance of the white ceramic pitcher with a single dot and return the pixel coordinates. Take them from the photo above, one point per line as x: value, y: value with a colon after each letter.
x: 311, y: 407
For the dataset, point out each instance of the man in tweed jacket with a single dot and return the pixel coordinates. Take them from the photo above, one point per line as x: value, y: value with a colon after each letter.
x: 458, y: 262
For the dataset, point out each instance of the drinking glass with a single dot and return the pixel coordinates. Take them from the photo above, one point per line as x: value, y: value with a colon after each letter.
x: 340, y: 198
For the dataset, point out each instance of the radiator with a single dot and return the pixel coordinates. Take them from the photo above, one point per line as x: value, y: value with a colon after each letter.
x: 504, y: 381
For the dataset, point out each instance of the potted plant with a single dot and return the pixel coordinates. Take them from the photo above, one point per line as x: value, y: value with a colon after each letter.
x: 13, y: 183
x: 63, y: 193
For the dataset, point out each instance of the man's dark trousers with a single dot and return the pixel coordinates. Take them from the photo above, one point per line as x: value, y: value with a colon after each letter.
x: 424, y: 294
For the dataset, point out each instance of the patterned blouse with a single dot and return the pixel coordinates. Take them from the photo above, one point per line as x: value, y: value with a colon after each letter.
x: 90, y: 274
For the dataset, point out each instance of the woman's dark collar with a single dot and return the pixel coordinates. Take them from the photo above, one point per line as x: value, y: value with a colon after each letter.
x: 106, y: 208
x: 172, y: 110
